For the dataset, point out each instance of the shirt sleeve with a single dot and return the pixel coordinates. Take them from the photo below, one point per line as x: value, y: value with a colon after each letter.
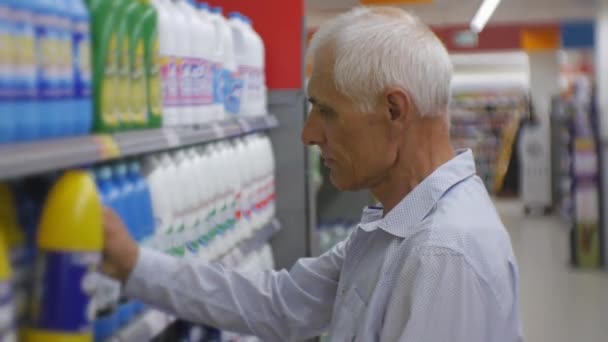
x: 273, y: 305
x: 439, y: 298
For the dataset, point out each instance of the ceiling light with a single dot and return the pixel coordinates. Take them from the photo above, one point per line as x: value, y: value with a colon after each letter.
x: 483, y: 14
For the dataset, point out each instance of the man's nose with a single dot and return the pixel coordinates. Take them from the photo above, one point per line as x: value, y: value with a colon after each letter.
x: 312, y: 133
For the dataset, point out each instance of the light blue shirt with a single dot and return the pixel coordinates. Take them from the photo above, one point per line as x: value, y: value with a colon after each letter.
x: 439, y: 267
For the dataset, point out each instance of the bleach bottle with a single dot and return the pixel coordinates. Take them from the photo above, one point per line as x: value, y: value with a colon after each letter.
x: 184, y: 30
x: 223, y: 56
x: 232, y: 82
x: 152, y: 172
x: 81, y: 68
x: 7, y: 82
x: 166, y: 54
x: 7, y: 307
x: 69, y: 242
x: 27, y: 125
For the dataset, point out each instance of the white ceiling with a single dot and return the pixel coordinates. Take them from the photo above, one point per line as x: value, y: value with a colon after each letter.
x: 445, y: 12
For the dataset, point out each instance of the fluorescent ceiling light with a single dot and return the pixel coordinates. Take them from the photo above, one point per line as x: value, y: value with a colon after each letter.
x: 483, y: 14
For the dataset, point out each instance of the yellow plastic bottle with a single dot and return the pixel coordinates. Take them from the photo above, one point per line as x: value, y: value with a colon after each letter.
x: 16, y: 249
x: 7, y: 306
x: 69, y: 244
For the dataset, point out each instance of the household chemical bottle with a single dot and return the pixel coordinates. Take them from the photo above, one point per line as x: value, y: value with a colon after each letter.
x: 69, y: 242
x: 108, y: 290
x: 145, y: 200
x: 138, y: 82
x: 15, y: 240
x: 152, y: 172
x: 125, y: 105
x: 7, y: 80
x: 105, y: 43
x: 167, y: 71
x: 65, y: 67
x: 152, y: 65
x: 205, y: 191
x: 216, y: 60
x: 184, y: 201
x: 172, y: 193
x: 249, y: 52
x: 7, y: 306
x: 231, y: 82
x: 201, y: 63
x: 128, y: 201
x: 28, y: 122
x: 81, y: 52
x: 184, y: 29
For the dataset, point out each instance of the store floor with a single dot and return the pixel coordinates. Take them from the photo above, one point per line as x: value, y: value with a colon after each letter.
x: 559, y: 303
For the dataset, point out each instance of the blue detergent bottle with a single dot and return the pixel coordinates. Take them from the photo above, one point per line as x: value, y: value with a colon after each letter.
x: 107, y: 323
x: 66, y: 124
x: 48, y: 52
x: 130, y: 216
x: 7, y: 120
x: 82, y: 115
x: 146, y: 230
x: 26, y: 111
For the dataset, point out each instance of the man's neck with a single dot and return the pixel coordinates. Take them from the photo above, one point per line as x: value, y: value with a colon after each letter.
x: 425, y: 147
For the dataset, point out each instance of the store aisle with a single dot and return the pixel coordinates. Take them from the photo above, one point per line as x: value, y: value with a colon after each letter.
x: 559, y: 303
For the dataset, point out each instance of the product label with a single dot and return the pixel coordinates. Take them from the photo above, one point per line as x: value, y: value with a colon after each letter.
x: 155, y: 91
x: 233, y: 92
x: 138, y: 84
x: 64, y: 285
x: 109, y: 88
x: 202, y: 82
x: 23, y: 55
x: 7, y: 313
x: 81, y: 45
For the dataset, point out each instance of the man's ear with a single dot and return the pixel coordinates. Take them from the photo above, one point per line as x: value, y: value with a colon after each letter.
x: 399, y: 104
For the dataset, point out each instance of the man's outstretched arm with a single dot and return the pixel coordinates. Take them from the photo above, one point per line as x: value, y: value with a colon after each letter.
x: 273, y: 305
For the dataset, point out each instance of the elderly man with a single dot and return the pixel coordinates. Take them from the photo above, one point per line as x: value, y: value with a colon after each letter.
x: 432, y: 263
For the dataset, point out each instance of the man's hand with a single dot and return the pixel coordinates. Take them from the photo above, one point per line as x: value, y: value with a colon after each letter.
x: 120, y: 251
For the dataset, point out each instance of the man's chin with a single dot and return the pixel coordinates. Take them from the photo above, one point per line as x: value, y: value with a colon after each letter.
x: 343, y: 184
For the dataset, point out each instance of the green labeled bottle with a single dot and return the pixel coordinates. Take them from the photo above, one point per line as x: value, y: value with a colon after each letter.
x: 105, y: 64
x: 125, y: 100
x: 152, y: 66
x: 138, y: 83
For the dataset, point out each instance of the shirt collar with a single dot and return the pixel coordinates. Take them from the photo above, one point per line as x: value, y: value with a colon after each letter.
x: 413, y: 208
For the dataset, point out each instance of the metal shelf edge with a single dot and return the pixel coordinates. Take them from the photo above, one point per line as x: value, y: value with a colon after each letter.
x: 25, y: 159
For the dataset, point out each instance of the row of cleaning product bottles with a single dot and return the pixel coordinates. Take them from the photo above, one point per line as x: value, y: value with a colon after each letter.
x: 197, y: 202
x: 69, y: 67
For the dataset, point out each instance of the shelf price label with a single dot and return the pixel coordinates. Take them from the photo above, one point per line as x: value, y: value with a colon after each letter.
x: 107, y: 146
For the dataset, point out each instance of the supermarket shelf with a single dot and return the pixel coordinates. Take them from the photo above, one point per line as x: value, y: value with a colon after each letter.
x: 153, y: 322
x: 26, y: 159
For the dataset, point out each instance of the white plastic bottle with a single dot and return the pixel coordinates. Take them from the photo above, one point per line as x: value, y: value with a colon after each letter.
x: 169, y: 174
x: 152, y: 171
x: 216, y: 57
x: 242, y: 158
x: 270, y: 179
x: 183, y: 40
x: 249, y: 53
x: 231, y: 83
x: 207, y: 189
x: 201, y: 67
x: 168, y: 74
